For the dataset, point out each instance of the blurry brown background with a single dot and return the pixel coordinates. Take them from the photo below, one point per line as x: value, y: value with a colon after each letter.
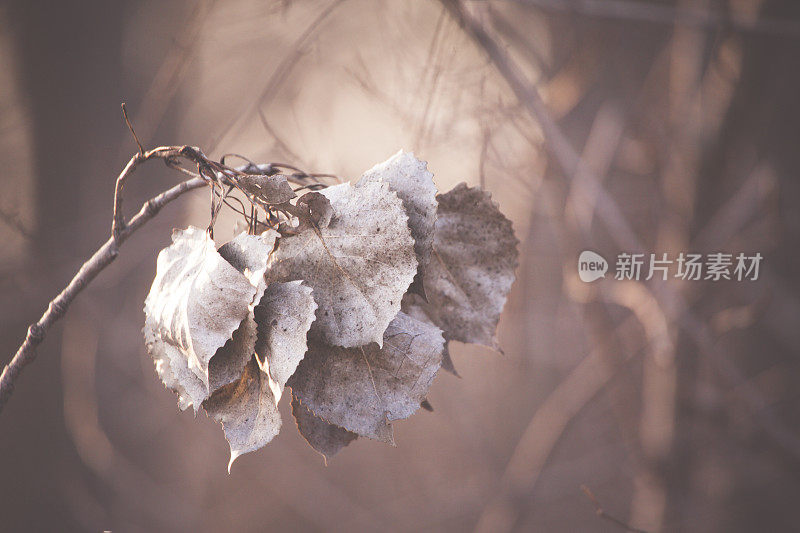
x: 677, y: 405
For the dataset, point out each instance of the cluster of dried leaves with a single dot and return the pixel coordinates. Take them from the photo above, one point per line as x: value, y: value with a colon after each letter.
x: 350, y: 303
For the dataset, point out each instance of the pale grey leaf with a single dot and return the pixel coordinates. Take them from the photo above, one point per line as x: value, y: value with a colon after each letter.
x: 247, y: 410
x: 228, y: 363
x: 271, y: 190
x: 249, y: 254
x: 363, y: 389
x: 173, y: 369
x: 284, y: 317
x: 196, y: 302
x: 327, y: 439
x: 416, y: 307
x: 472, y: 266
x: 359, y: 266
x: 410, y: 179
x: 319, y: 208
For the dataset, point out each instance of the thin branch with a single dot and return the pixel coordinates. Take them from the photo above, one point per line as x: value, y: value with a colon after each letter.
x: 208, y: 172
x: 551, y: 419
x: 130, y: 127
x: 103, y: 257
x: 279, y: 75
x: 13, y: 221
x: 666, y: 14
x: 610, y: 214
x: 557, y: 142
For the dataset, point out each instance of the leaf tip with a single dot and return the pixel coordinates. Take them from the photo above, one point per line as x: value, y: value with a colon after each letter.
x: 234, y: 455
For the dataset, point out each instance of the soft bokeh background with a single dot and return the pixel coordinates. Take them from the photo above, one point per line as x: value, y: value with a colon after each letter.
x: 675, y: 404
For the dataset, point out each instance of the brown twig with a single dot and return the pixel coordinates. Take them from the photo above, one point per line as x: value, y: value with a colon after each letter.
x: 103, y: 257
x: 208, y: 172
x: 658, y: 13
x: 599, y: 511
x: 611, y: 216
x: 170, y: 154
x: 279, y: 75
x: 130, y: 127
x: 13, y: 221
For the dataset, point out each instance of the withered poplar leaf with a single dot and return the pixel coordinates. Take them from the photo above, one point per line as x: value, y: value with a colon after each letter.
x: 416, y: 307
x: 327, y: 439
x: 363, y: 389
x: 173, y: 369
x: 247, y: 410
x: 284, y: 317
x: 249, y: 254
x: 410, y: 179
x: 271, y: 190
x: 472, y: 266
x: 228, y: 363
x: 359, y: 266
x: 447, y: 362
x: 196, y: 302
x: 319, y: 208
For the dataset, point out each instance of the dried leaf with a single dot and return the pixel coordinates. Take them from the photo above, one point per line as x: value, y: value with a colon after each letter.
x: 363, y: 389
x: 247, y: 410
x: 272, y: 190
x: 472, y: 266
x: 196, y: 302
x: 173, y: 369
x: 319, y: 208
x: 284, y: 316
x: 327, y: 439
x: 359, y: 265
x: 417, y: 308
x: 447, y: 362
x: 228, y: 363
x: 410, y: 179
x: 249, y: 254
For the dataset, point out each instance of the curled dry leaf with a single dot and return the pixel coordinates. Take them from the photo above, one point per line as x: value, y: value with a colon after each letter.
x: 228, y: 328
x: 173, y: 369
x: 249, y: 254
x: 359, y: 266
x: 271, y: 190
x: 410, y: 179
x: 416, y: 307
x: 363, y: 389
x: 472, y: 266
x: 284, y: 316
x: 247, y: 410
x: 319, y: 208
x: 196, y: 302
x: 228, y: 363
x: 326, y: 438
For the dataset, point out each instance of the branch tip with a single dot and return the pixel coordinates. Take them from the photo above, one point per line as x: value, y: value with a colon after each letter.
x: 130, y: 127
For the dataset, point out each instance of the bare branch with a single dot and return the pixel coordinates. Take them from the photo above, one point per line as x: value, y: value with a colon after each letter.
x: 279, y: 74
x: 557, y: 142
x: 208, y: 171
x: 103, y: 257
x: 130, y: 127
x: 13, y: 221
x: 610, y: 214
x: 666, y: 14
